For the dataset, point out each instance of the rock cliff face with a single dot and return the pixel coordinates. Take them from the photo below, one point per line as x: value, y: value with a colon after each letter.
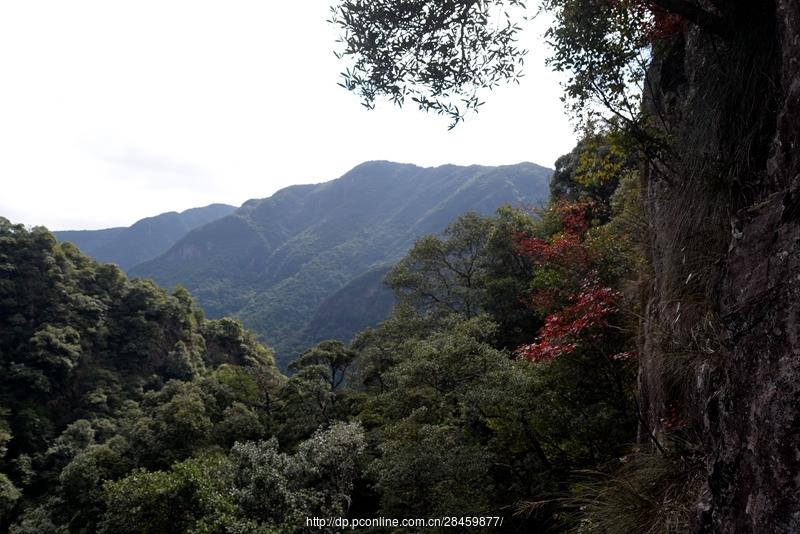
x: 721, y: 334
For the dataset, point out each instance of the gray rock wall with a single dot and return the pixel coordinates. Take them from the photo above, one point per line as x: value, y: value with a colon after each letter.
x: 720, y: 340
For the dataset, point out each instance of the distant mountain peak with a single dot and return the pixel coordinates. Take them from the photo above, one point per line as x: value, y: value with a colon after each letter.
x: 146, y: 238
x: 284, y: 262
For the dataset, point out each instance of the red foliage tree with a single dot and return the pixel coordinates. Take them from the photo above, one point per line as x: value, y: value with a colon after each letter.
x: 564, y: 253
x: 580, y: 306
x: 582, y: 320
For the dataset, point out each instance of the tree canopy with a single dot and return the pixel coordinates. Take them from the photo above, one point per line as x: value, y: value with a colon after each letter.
x: 506, y: 365
x: 438, y: 53
x: 442, y: 54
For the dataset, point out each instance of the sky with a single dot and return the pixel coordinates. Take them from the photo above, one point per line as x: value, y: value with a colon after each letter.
x: 111, y: 111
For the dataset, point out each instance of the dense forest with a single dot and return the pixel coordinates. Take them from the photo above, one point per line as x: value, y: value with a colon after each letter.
x: 623, y: 359
x: 506, y: 366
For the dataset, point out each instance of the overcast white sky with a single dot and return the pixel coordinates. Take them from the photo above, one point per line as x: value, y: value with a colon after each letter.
x: 111, y: 111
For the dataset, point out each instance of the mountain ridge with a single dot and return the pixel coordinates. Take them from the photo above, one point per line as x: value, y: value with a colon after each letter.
x: 275, y: 260
x: 143, y: 240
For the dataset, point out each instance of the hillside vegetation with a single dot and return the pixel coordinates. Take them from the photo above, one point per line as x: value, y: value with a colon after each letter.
x: 621, y: 360
x: 706, y: 95
x: 275, y: 261
x: 102, y: 375
x: 503, y: 368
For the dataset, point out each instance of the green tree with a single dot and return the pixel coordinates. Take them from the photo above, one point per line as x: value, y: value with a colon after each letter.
x: 445, y: 275
x: 9, y: 495
x: 282, y: 490
x: 473, y: 268
x: 194, y: 496
x: 82, y: 480
x: 86, y: 358
x: 315, y: 395
x: 593, y: 169
x: 378, y: 349
x: 441, y: 53
x: 433, y: 470
x: 56, y: 349
x: 176, y: 425
x: 429, y: 459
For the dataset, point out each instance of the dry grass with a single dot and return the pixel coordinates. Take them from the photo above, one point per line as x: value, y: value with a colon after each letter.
x: 649, y: 492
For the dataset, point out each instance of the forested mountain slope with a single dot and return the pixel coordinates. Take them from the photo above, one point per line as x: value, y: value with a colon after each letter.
x: 143, y: 240
x: 100, y: 375
x: 504, y: 367
x: 626, y: 361
x: 276, y: 260
x: 707, y: 94
x: 355, y: 306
